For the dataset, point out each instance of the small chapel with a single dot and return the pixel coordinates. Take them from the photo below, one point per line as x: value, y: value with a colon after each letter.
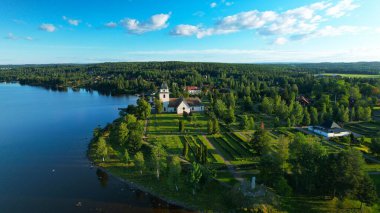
x: 179, y: 105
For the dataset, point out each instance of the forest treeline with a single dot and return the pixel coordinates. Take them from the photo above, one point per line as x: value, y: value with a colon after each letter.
x: 141, y: 77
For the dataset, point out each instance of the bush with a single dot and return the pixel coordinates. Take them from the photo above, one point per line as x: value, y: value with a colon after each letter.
x: 282, y: 187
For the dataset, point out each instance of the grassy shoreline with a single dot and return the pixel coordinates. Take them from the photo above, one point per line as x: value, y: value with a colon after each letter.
x: 143, y: 188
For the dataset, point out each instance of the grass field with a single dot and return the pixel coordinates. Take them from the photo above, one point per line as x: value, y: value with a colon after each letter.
x: 376, y: 113
x: 168, y: 123
x: 172, y: 143
x: 369, y: 129
x: 376, y: 180
x: 163, y: 188
x: 352, y: 75
x: 319, y: 204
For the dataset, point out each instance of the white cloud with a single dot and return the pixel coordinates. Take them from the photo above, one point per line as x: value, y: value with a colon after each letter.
x: 213, y: 4
x: 19, y: 21
x: 73, y: 22
x: 10, y: 36
x: 111, y: 24
x: 295, y: 23
x: 199, y: 13
x: 48, y: 27
x: 280, y: 41
x: 341, y: 8
x: 337, y: 31
x: 185, y: 30
x: 156, y: 22
x: 227, y: 3
x: 330, y: 31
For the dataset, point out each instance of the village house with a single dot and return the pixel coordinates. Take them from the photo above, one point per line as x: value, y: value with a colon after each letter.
x: 193, y: 90
x: 329, y: 129
x: 303, y: 100
x: 179, y: 105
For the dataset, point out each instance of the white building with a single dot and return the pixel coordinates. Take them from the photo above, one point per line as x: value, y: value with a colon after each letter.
x: 179, y: 105
x: 193, y: 90
x: 329, y: 129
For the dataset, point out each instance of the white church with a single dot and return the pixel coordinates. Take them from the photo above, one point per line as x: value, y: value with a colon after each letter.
x: 179, y: 105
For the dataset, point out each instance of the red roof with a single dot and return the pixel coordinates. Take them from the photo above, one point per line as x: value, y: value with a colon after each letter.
x: 188, y: 88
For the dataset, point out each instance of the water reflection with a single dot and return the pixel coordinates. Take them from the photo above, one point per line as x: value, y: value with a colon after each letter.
x: 102, y: 177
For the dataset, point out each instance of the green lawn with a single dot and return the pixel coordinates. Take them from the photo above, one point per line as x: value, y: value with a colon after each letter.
x: 211, y: 150
x: 172, y: 143
x: 167, y: 123
x: 165, y: 189
x: 320, y: 204
x: 369, y: 129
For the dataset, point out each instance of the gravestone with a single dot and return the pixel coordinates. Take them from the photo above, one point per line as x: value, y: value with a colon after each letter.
x: 253, y: 183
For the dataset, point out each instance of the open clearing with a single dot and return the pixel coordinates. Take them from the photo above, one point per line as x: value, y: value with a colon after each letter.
x: 351, y: 75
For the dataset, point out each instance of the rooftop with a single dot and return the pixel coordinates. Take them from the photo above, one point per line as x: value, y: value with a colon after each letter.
x: 164, y: 86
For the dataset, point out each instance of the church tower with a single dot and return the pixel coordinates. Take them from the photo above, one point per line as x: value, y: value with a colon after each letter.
x: 164, y: 96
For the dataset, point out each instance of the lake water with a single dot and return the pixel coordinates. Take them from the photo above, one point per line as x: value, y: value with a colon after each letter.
x: 44, y: 136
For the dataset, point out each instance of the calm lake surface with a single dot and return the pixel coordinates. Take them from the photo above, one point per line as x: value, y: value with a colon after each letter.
x: 44, y: 136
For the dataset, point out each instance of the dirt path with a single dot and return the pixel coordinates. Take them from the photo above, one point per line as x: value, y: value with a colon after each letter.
x: 229, y: 165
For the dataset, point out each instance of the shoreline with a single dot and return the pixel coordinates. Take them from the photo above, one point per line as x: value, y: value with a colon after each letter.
x: 142, y: 188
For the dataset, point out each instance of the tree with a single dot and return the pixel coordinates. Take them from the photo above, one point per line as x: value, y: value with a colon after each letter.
x: 135, y: 141
x: 288, y: 122
x: 244, y: 122
x: 174, y: 171
x: 251, y: 123
x: 97, y: 132
x: 314, y: 116
x: 306, y: 160
x: 276, y: 122
x: 261, y: 141
x: 125, y: 157
x: 366, y: 192
x: 220, y: 108
x: 282, y: 187
x: 158, y: 155
x: 101, y: 148
x: 367, y: 114
x: 158, y: 105
x: 270, y: 168
x: 297, y: 113
x: 185, y: 152
x: 306, y: 117
x: 210, y: 127
x: 216, y: 128
x: 283, y: 151
x: 344, y: 172
x: 267, y: 105
x: 143, y: 109
x: 122, y: 133
x: 181, y: 126
x: 230, y: 118
x: 139, y: 161
x: 195, y: 176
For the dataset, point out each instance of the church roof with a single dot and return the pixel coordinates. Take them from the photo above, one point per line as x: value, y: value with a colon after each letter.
x: 175, y: 102
x: 330, y: 125
x: 192, y: 102
x: 164, y: 86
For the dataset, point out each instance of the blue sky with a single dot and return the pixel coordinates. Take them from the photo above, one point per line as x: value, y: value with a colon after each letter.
x: 248, y: 31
